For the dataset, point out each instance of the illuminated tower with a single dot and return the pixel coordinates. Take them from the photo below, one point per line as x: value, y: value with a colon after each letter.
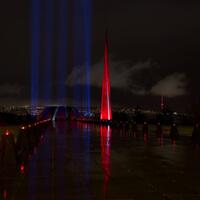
x: 106, y: 110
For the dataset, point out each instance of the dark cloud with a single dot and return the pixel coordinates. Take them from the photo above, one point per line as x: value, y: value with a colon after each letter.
x: 123, y: 76
x: 171, y: 86
x: 120, y: 73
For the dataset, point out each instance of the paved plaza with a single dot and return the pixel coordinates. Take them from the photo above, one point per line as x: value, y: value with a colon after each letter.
x: 80, y: 161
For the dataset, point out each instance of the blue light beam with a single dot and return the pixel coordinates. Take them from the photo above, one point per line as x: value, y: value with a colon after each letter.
x: 78, y: 52
x: 87, y: 8
x: 62, y: 54
x: 47, y: 80
x: 35, y: 51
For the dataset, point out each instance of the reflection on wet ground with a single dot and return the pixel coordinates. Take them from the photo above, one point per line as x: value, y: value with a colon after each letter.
x: 70, y: 160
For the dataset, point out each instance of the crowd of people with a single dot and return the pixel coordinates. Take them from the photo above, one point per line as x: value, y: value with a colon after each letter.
x: 173, y: 133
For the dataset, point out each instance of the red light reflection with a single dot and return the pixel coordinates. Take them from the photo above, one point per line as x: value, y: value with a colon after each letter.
x: 105, y: 154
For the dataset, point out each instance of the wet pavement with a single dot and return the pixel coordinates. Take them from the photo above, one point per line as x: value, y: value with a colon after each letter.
x: 80, y: 161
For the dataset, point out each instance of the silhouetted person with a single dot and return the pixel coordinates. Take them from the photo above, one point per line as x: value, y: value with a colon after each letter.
x: 196, y: 134
x: 145, y: 132
x: 145, y: 128
x: 159, y: 131
x: 8, y: 154
x: 22, y: 146
x: 1, y: 152
x: 126, y: 127
x: 134, y: 129
x: 174, y: 135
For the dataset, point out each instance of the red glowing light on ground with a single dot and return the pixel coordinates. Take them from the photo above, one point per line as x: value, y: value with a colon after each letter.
x: 5, y: 194
x: 106, y: 110
x: 22, y: 168
x: 7, y: 133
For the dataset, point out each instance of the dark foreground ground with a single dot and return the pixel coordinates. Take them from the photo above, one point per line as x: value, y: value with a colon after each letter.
x: 77, y: 161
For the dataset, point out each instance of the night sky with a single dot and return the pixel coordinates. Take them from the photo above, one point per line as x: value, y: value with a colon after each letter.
x: 154, y: 47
